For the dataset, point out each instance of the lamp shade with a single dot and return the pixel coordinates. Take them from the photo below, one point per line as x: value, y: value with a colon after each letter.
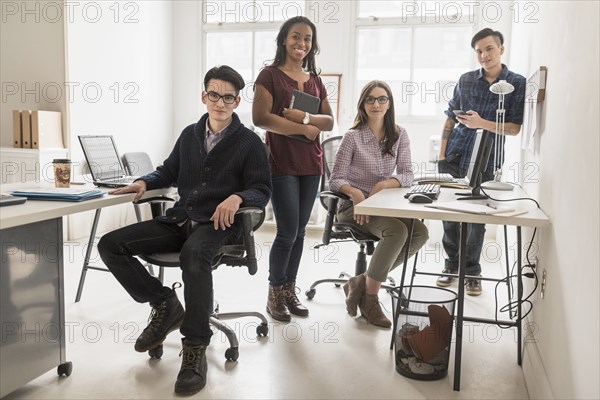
x: 502, y: 87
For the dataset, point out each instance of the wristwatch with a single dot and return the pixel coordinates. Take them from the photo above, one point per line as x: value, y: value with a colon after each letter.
x: 306, y: 119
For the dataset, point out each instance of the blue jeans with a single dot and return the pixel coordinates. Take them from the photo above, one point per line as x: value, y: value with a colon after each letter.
x: 293, y: 198
x: 475, y: 232
x: 197, y: 248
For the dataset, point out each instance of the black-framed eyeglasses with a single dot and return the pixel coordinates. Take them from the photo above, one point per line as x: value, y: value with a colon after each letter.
x: 380, y: 99
x: 215, y: 97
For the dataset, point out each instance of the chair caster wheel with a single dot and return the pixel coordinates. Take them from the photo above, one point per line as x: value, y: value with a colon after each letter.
x: 65, y: 369
x: 156, y: 352
x: 232, y: 354
x: 310, y: 293
x: 262, y: 330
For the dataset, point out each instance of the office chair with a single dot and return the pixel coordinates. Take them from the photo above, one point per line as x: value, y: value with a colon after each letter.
x: 136, y: 164
x: 335, y: 231
x: 240, y: 253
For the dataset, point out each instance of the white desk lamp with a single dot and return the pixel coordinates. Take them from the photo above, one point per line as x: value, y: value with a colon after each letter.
x: 501, y: 88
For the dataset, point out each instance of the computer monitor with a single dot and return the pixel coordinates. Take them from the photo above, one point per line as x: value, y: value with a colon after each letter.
x: 478, y: 164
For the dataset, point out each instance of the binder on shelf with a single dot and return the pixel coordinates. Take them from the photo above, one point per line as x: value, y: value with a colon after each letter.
x: 26, y: 125
x: 307, y: 103
x: 46, y: 129
x: 17, y: 129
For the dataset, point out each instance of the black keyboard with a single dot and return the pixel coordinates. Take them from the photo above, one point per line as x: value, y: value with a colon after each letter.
x: 430, y: 190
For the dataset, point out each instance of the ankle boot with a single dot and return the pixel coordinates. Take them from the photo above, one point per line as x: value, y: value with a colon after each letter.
x: 292, y: 302
x: 165, y: 317
x: 276, y: 304
x: 354, y: 290
x: 371, y: 310
x: 192, y: 375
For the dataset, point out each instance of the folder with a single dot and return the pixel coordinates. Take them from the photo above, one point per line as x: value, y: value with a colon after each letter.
x: 17, y: 129
x: 307, y: 103
x: 59, y: 194
x: 46, y: 129
x: 26, y: 125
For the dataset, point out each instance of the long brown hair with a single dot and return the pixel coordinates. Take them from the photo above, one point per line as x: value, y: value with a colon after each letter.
x: 308, y: 63
x: 391, y: 134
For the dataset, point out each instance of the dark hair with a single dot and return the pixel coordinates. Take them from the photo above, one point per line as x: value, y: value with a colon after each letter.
x: 391, y: 134
x: 308, y: 63
x: 227, y: 74
x: 485, y: 33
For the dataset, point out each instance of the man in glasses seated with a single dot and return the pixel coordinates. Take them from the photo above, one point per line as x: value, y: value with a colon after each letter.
x: 218, y: 165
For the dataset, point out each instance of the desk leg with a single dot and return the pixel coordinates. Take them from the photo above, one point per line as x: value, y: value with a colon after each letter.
x: 462, y: 266
x: 402, y: 277
x: 519, y: 299
x: 88, y: 254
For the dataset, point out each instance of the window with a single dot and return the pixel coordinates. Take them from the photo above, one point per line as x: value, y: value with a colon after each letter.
x: 242, y: 34
x: 418, y: 48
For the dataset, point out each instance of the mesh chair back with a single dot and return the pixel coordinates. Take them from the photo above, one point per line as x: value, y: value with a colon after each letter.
x: 137, y: 163
x: 330, y: 147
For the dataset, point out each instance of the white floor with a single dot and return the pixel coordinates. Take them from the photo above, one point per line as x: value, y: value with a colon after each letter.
x: 325, y: 356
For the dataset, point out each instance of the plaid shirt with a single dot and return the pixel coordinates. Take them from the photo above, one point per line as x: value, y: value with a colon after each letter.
x: 360, y: 164
x: 473, y: 93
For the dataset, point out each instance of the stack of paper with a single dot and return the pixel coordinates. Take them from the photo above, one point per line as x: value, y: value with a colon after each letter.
x: 59, y: 194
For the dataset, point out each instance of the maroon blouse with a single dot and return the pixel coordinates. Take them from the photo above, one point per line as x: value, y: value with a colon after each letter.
x: 290, y: 156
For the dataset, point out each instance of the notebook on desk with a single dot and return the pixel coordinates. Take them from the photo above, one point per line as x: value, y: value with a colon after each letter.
x: 8, y: 200
x: 104, y: 161
x: 472, y: 208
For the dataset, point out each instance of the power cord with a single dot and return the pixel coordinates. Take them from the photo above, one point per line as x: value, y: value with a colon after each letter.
x: 513, y: 305
x: 506, y: 200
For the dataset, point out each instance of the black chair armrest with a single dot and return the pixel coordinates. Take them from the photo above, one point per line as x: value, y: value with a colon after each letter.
x: 154, y: 199
x: 252, y: 219
x: 157, y: 205
x: 330, y: 200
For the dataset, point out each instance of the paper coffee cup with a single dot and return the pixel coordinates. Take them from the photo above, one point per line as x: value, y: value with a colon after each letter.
x: 62, y: 172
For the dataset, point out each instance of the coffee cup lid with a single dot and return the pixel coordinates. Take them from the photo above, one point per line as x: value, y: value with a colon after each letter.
x: 61, y: 161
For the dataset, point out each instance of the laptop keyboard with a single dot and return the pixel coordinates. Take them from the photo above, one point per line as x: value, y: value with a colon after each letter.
x: 124, y: 180
x: 430, y: 190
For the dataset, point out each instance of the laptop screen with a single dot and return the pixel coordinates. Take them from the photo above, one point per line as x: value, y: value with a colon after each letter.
x: 102, y: 157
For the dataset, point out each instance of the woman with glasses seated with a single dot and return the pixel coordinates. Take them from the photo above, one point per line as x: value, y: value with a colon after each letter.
x: 374, y: 155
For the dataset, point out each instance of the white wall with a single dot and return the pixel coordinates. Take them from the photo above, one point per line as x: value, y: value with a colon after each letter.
x: 120, y: 61
x: 32, y: 35
x: 565, y: 39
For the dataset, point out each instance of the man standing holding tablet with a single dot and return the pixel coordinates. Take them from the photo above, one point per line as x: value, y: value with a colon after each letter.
x: 473, y: 106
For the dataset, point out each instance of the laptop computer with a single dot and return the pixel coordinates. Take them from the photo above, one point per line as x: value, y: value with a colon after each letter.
x: 104, y: 161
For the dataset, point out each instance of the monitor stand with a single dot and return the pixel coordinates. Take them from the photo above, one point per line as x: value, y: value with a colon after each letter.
x: 474, y: 194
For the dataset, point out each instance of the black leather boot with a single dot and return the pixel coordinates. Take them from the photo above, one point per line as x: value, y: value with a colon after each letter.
x: 276, y: 304
x: 192, y: 375
x: 165, y: 317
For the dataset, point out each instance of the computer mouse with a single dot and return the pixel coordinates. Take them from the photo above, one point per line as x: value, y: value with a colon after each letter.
x: 419, y: 198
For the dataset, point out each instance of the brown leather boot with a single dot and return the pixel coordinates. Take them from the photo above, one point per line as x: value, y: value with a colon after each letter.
x: 276, y: 304
x: 354, y: 289
x: 292, y: 302
x: 371, y: 310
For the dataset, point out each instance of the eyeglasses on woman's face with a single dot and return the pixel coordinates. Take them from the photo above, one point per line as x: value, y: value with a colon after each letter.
x: 380, y: 99
x: 215, y: 97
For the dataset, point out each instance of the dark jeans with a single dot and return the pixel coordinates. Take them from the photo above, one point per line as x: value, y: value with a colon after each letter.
x: 293, y: 198
x: 475, y: 232
x: 197, y: 248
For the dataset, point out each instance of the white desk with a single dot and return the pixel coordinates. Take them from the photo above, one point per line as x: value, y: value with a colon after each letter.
x: 32, y: 302
x: 391, y: 203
